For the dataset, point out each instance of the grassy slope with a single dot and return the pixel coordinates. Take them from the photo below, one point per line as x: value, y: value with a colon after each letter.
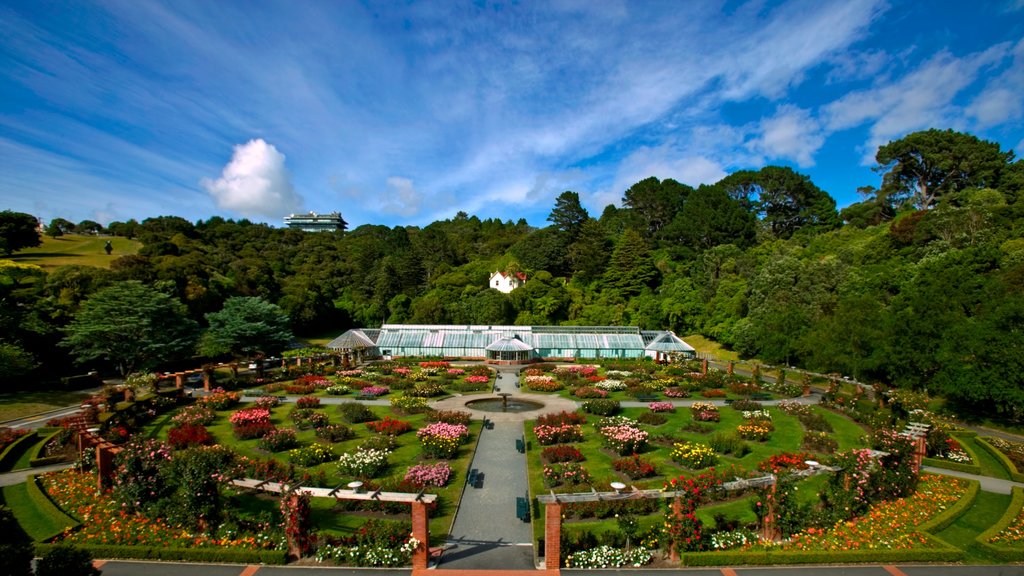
x: 988, y: 508
x: 22, y: 404
x: 36, y: 524
x: 73, y: 249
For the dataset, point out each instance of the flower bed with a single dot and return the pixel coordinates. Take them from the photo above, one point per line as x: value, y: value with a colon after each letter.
x: 589, y: 392
x: 625, y: 439
x: 195, y: 414
x: 887, y: 525
x: 278, y: 440
x: 608, y: 557
x: 559, y: 434
x: 104, y: 521
x: 693, y: 455
x: 220, y: 399
x: 705, y: 412
x: 423, y: 475
x: 662, y: 407
x: 374, y: 390
x: 186, y: 435
x: 250, y: 423
x: 561, y: 453
x: 335, y: 432
x: 337, y: 390
x: 311, y: 455
x: 442, y: 440
x: 634, y: 467
x: 307, y: 402
x: 267, y: 402
x: 542, y: 384
x: 363, y: 464
x: 389, y: 426
x: 572, y: 473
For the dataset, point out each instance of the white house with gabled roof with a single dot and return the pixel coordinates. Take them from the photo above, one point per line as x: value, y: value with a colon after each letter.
x: 507, y: 282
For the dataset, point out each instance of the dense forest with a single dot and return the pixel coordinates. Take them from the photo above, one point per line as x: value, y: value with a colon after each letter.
x: 919, y: 285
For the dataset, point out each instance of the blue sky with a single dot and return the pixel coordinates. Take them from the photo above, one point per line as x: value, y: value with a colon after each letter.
x: 402, y: 113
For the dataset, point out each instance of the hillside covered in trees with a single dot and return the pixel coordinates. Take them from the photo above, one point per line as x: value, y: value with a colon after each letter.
x: 920, y: 285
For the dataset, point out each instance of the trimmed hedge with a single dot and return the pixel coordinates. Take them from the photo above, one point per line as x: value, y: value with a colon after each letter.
x: 36, y: 460
x: 224, y: 555
x: 1010, y: 467
x: 16, y: 449
x: 943, y: 520
x: 947, y: 465
x: 1007, y: 553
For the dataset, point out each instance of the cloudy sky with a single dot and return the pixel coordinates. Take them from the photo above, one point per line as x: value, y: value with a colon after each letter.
x: 407, y: 112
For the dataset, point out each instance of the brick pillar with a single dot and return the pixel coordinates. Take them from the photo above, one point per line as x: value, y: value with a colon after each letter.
x: 920, y: 449
x: 179, y: 380
x: 769, y: 531
x: 421, y: 533
x: 206, y: 380
x: 704, y: 367
x: 730, y: 367
x: 552, y: 536
x: 677, y: 512
x: 105, y: 453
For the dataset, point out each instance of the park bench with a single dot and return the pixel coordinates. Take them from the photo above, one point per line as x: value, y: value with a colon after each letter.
x: 522, y: 509
x: 520, y: 446
x: 366, y: 396
x: 646, y: 397
x: 474, y: 478
x: 488, y: 424
x: 760, y: 396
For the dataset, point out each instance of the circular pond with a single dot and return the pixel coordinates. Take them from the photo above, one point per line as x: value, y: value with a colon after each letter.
x: 503, y: 405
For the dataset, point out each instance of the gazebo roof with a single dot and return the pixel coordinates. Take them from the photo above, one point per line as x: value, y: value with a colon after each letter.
x: 669, y: 342
x: 351, y: 340
x: 508, y: 344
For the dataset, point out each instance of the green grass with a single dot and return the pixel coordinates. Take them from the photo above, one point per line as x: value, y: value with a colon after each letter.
x: 15, y: 405
x: 72, y: 249
x: 989, y: 465
x: 848, y: 434
x: 988, y: 508
x: 36, y: 524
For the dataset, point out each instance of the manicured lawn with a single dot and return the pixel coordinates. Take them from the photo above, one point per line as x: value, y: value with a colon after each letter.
x: 988, y: 508
x: 14, y: 405
x: 37, y: 525
x: 72, y: 249
x: 989, y: 465
x: 848, y: 433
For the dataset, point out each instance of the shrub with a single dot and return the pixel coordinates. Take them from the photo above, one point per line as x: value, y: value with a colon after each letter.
x: 379, y: 442
x: 187, y: 435
x: 704, y: 412
x: 746, y: 405
x: 611, y: 385
x: 543, y: 384
x: 250, y: 423
x: 389, y: 426
x: 311, y: 455
x: 634, y: 467
x: 66, y: 560
x: 713, y: 393
x: 728, y: 444
x: 374, y: 391
x: 297, y: 388
x: 652, y: 419
x: 694, y: 456
x: 267, y: 402
x: 601, y: 407
x: 278, y: 440
x: 306, y: 418
x: 559, y: 418
x: 364, y: 464
x: 409, y: 404
x: 589, y: 392
x: 572, y: 473
x: 677, y: 392
x: 548, y: 435
x: 820, y: 442
x: 754, y: 431
x: 200, y: 414
x: 442, y: 440
x: 307, y: 402
x: 337, y: 390
x: 784, y: 461
x: 335, y: 432
x: 220, y: 399
x: 625, y: 439
x: 661, y: 407
x: 561, y: 453
x: 450, y: 417
x: 422, y: 475
x: 355, y: 413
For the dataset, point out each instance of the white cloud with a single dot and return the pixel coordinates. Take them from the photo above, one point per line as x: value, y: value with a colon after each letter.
x: 1001, y: 99
x: 401, y: 198
x: 664, y: 162
x: 792, y: 133
x: 852, y: 66
x: 923, y: 98
x: 255, y: 182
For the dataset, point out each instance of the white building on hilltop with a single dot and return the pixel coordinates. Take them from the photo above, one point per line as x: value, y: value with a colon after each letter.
x: 314, y: 222
x: 507, y: 282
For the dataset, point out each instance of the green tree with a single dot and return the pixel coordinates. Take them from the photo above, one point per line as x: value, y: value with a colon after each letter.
x: 246, y: 326
x: 786, y: 200
x: 922, y: 167
x: 15, y: 548
x: 17, y: 231
x: 132, y: 326
x: 15, y: 362
x: 631, y: 268
x: 88, y: 227
x: 54, y: 231
x: 656, y: 203
x: 710, y: 218
x: 569, y: 215
x: 541, y: 250
x: 66, y: 560
x: 588, y: 255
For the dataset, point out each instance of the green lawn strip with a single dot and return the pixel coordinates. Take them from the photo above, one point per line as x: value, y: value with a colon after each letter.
x: 33, y: 515
x: 990, y: 466
x: 72, y: 249
x: 848, y: 434
x: 14, y: 405
x: 25, y: 460
x: 988, y: 507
